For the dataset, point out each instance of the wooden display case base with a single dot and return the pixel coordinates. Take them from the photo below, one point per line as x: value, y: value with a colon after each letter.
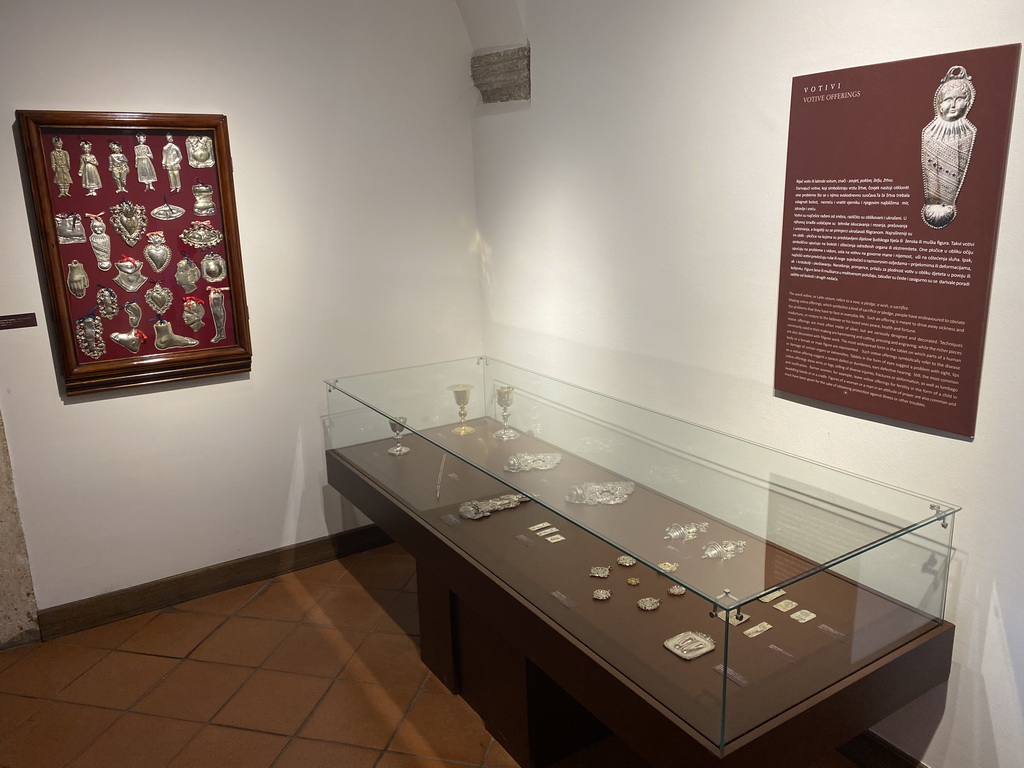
x: 549, y: 699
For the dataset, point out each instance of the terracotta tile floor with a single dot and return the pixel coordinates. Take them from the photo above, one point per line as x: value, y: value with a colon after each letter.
x: 318, y: 668
x: 312, y: 669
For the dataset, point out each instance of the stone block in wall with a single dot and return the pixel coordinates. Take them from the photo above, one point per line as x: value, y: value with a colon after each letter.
x: 503, y: 76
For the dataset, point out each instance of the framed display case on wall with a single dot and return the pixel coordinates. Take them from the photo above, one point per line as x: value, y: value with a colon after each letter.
x: 138, y: 239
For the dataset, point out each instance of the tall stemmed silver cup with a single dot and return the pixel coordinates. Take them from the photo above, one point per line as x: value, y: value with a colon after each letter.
x: 398, y: 427
x: 461, y: 394
x: 503, y: 394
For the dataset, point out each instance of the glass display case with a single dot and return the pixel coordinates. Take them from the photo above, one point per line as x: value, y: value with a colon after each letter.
x: 729, y: 582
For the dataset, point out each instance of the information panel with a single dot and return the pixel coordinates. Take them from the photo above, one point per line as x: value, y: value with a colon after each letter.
x: 894, y: 182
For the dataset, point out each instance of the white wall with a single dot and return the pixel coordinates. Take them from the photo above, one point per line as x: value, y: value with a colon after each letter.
x: 630, y: 226
x: 350, y: 131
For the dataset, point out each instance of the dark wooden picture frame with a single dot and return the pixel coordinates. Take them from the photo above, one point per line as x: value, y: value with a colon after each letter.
x: 163, y: 299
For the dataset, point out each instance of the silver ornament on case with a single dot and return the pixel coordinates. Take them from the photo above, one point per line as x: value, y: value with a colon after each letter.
x: 60, y: 164
x: 214, y: 268
x: 193, y: 312
x: 166, y: 338
x: 201, y: 234
x: 204, y: 200
x: 726, y: 550
x: 524, y: 462
x: 171, y: 162
x: 157, y: 253
x: 187, y: 274
x: 69, y: 228
x: 129, y: 274
x: 689, y: 645
x: 220, y: 315
x: 168, y: 212
x: 77, y: 280
x: 89, y: 170
x: 474, y: 510
x: 685, y: 531
x: 129, y: 221
x: 132, y: 340
x: 200, y: 151
x: 615, y: 492
x: 106, y: 303
x: 89, y: 333
x: 99, y: 240
x: 159, y: 298
x: 118, y: 165
x: 144, y: 162
x: 134, y: 312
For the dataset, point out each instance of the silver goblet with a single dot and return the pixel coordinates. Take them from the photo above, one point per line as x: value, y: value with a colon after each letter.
x: 397, y: 425
x: 503, y: 393
x: 461, y: 394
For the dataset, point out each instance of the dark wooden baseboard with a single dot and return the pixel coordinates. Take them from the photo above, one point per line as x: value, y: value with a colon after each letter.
x: 868, y: 750
x: 93, y: 611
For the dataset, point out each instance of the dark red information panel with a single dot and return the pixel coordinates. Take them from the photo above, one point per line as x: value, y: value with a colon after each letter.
x: 893, y: 189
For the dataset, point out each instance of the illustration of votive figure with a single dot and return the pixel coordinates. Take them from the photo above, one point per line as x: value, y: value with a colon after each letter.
x: 144, y: 162
x: 118, y: 166
x: 946, y: 146
x: 89, y: 171
x: 60, y: 163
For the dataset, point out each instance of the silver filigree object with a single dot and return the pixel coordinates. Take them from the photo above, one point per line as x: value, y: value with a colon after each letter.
x: 946, y: 146
x: 129, y: 221
x: 200, y: 151
x: 129, y: 274
x: 726, y: 550
x: 524, y: 462
x: 201, y: 234
x: 159, y: 298
x: 615, y: 492
x: 648, y: 603
x: 676, y: 590
x: 602, y: 594
x: 601, y: 571
x: 474, y: 510
x: 77, y: 280
x: 106, y: 303
x: 625, y: 560
x: 69, y: 228
x: 89, y: 333
x: 689, y: 645
x: 166, y: 338
x: 685, y: 531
